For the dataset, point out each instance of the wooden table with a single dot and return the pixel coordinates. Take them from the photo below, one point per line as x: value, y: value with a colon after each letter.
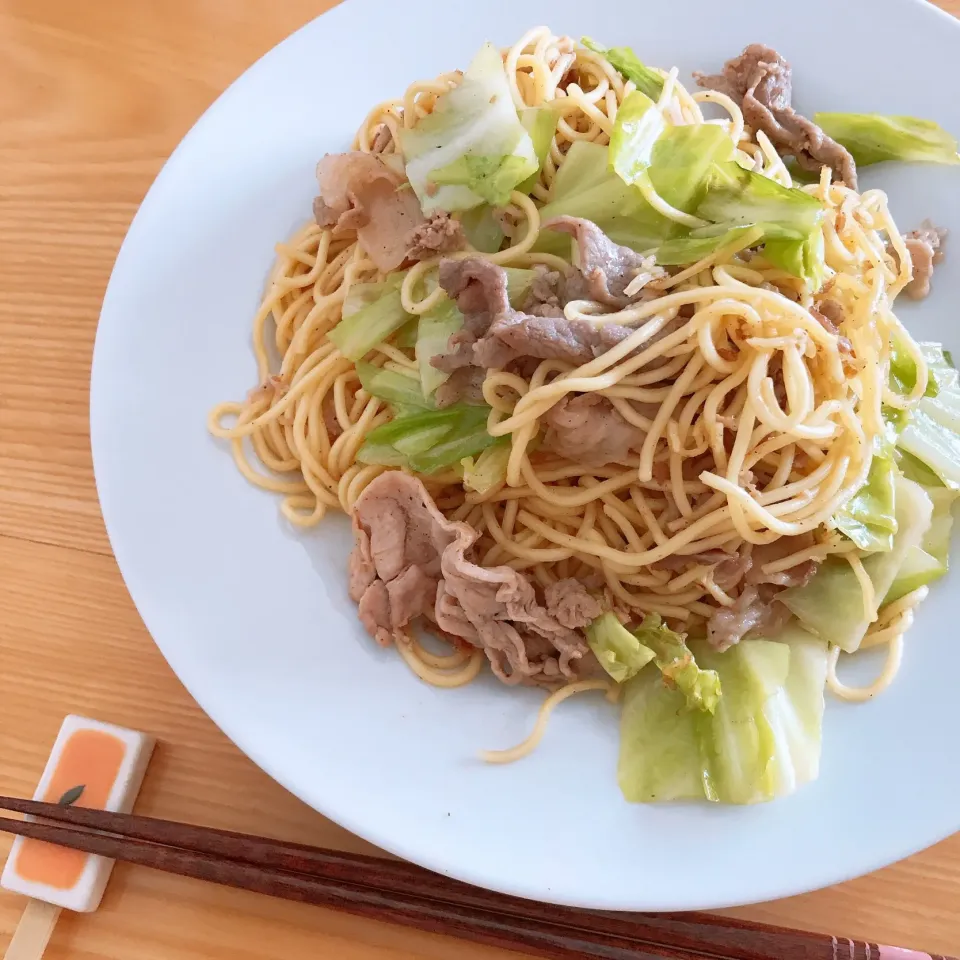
x: 95, y: 96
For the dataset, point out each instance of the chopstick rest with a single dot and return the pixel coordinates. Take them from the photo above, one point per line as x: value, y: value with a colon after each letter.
x: 92, y: 764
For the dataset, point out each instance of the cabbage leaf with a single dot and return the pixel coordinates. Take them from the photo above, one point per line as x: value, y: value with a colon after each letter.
x: 617, y: 650
x: 831, y: 605
x: 873, y: 138
x: 472, y: 146
x: 624, y: 60
x: 675, y: 661
x: 762, y: 741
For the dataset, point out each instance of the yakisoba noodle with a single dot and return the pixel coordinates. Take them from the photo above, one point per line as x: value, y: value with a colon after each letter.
x: 791, y: 464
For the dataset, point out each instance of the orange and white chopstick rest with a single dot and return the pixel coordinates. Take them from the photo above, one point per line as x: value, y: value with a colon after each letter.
x: 94, y: 765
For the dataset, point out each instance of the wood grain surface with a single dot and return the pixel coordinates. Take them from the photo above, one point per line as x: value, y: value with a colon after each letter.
x: 96, y: 94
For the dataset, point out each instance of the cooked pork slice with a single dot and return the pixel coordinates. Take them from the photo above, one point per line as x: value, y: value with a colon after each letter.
x: 761, y: 82
x: 361, y: 193
x: 757, y: 608
x: 494, y: 334
x: 604, y: 268
x: 410, y: 561
x: 438, y: 234
x: 926, y: 251
x: 588, y: 429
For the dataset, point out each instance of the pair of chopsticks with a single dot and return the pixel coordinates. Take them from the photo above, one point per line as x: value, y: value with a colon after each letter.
x: 403, y: 893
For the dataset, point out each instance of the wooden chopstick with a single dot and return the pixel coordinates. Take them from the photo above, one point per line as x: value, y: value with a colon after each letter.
x: 403, y: 893
x: 542, y: 938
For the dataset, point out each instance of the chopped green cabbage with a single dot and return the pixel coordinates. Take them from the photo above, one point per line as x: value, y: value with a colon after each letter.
x: 795, y: 714
x: 917, y: 471
x: 690, y: 249
x: 801, y: 257
x: 790, y: 218
x: 762, y: 741
x: 482, y: 229
x: 738, y: 196
x: 626, y: 61
x: 684, y: 158
x: 831, y: 605
x: 428, y: 440
x: 541, y: 124
x: 406, y: 337
x: 869, y: 516
x: 931, y: 559
x: 935, y: 445
x: 918, y: 569
x: 468, y: 438
x: 700, y: 688
x: 374, y: 317
x: 422, y: 439
x: 928, y: 452
x: 361, y: 295
x: 798, y: 174
x: 873, y: 138
x: 737, y: 747
x: 473, y: 145
x: 930, y: 431
x: 676, y: 160
x: 942, y: 396
x: 936, y: 541
x: 492, y: 179
x: 396, y: 388
x: 639, y: 123
x: 678, y: 166
x: 586, y: 187
x: 617, y: 650
x: 438, y: 325
x: 436, y: 328
x: 659, y: 743
x: 903, y: 368
x: 519, y: 281
x: 489, y: 470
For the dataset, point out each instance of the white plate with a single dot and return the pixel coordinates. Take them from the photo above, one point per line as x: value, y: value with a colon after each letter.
x: 255, y: 619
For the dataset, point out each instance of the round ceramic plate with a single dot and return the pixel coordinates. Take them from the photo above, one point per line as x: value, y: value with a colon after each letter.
x: 254, y: 617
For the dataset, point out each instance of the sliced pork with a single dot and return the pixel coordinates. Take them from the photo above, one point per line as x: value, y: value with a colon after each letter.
x: 926, y: 251
x: 588, y: 429
x: 545, y: 298
x: 728, y: 569
x: 571, y: 605
x: 494, y: 334
x: 361, y: 193
x: 731, y: 570
x: 761, y: 82
x: 516, y: 335
x: 410, y: 561
x: 829, y: 314
x: 464, y: 385
x: 795, y: 576
x: 757, y: 607
x: 604, y: 268
x: 438, y: 234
